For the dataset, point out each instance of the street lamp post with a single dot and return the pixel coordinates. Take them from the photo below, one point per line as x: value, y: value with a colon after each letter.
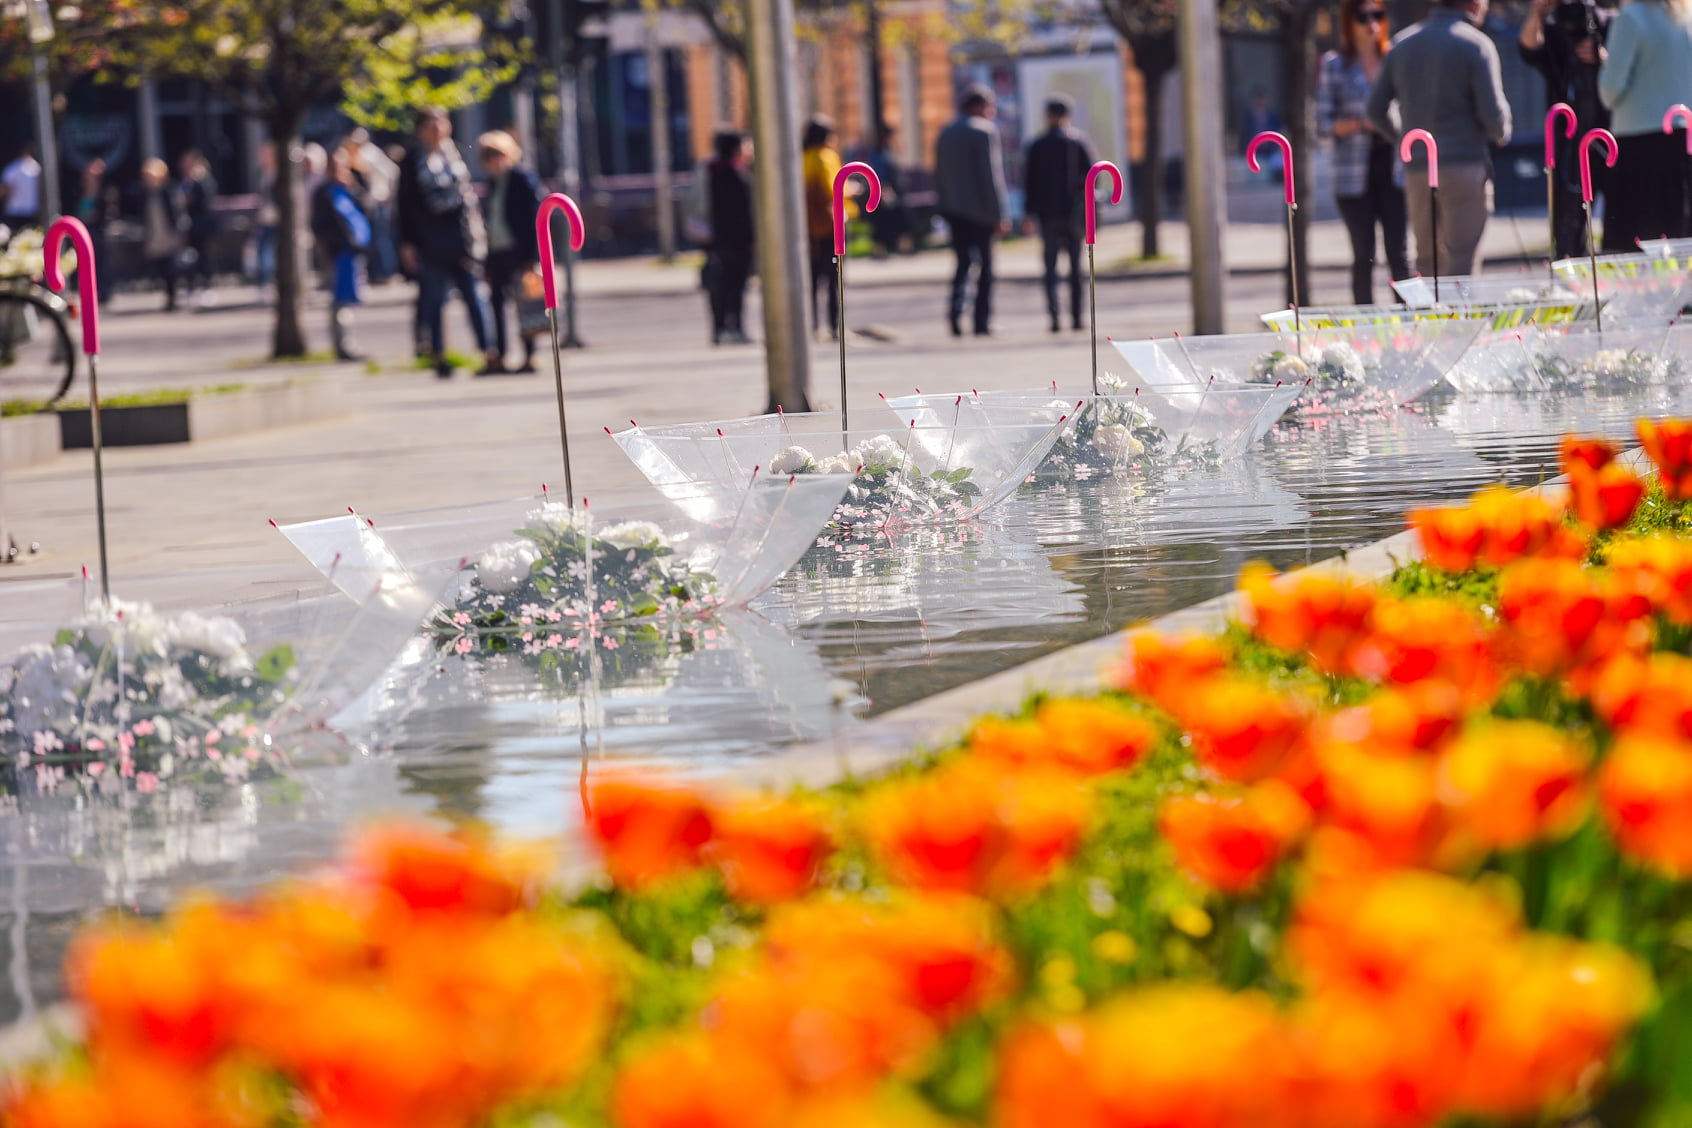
x: 40, y: 18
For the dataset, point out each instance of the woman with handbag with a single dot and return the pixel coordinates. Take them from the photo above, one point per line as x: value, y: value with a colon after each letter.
x: 340, y: 224
x: 512, y: 202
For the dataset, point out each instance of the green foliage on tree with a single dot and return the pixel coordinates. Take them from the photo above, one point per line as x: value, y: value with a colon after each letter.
x: 276, y: 59
x: 87, y: 37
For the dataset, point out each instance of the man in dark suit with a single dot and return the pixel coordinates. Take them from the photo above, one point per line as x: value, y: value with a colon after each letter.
x: 1057, y: 166
x: 969, y: 177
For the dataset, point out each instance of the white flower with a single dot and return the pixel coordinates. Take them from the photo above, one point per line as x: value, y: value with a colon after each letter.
x: 839, y: 464
x: 1341, y: 362
x: 218, y: 636
x: 633, y: 534
x: 1520, y: 296
x: 1108, y: 382
x: 504, y: 567
x: 880, y: 453
x: 1115, y: 440
x: 1290, y: 369
x: 47, y: 683
x: 793, y: 460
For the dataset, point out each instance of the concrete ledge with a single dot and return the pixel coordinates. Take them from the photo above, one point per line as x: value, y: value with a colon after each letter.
x: 277, y: 405
x: 209, y: 416
x: 28, y: 439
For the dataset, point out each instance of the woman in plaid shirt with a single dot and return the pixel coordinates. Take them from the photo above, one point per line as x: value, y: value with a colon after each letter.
x: 1368, y: 184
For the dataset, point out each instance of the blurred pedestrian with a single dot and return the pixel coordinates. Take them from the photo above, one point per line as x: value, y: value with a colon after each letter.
x: 729, y: 193
x: 1367, y: 175
x: 819, y: 165
x: 1647, y: 67
x: 264, y: 220
x: 163, y: 226
x: 1561, y: 39
x: 513, y: 250
x: 199, y: 193
x: 96, y: 207
x: 1055, y: 174
x: 1261, y: 117
x: 20, y: 190
x: 890, y: 222
x: 380, y: 176
x: 340, y: 230
x: 440, y: 233
x: 1445, y: 76
x: 969, y: 177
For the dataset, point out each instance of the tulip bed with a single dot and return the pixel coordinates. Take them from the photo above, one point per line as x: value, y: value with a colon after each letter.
x: 1387, y: 854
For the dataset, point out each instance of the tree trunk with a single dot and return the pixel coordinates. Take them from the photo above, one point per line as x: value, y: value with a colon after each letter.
x: 1298, y: 46
x: 288, y: 340
x: 1154, y: 56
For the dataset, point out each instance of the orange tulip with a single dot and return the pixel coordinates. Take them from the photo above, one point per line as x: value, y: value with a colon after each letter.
x: 427, y: 870
x: 971, y: 827
x: 1554, y: 1015
x: 1363, y: 1061
x: 942, y: 951
x: 1512, y: 783
x: 698, y: 1082
x: 1413, y: 640
x: 1496, y: 528
x: 1090, y: 737
x: 1157, y: 666
x: 1562, y: 618
x: 1406, y: 720
x: 770, y: 851
x: 1650, y: 695
x: 1176, y: 1056
x: 1658, y: 569
x: 1668, y: 444
x: 1645, y: 794
x: 1385, y: 801
x: 1594, y: 454
x: 647, y: 830
x: 1311, y: 612
x: 1241, y: 729
x: 1231, y: 843
x: 1604, y: 498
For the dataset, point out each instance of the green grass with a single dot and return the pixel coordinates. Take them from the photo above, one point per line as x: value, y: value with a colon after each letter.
x: 285, y: 361
x: 151, y: 398
x: 453, y: 356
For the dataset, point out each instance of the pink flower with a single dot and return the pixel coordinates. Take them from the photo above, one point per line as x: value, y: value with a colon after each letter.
x: 571, y: 644
x: 96, y: 768
x: 610, y: 643
x: 461, y: 619
x: 252, y: 752
x: 462, y: 646
x: 95, y: 744
x: 144, y: 728
x: 146, y: 783
x: 710, y: 634
x: 213, y: 736
x: 126, y: 766
x: 212, y: 753
x: 126, y: 741
x: 528, y: 636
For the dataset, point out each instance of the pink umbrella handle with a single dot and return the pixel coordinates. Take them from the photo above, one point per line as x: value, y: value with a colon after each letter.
x: 872, y: 202
x: 1564, y: 112
x: 1408, y: 144
x: 1089, y: 198
x: 88, y: 297
x: 1682, y: 113
x: 1592, y: 135
x: 558, y: 201
x: 1280, y: 142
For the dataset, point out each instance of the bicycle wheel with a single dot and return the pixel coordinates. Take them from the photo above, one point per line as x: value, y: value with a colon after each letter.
x: 37, y: 359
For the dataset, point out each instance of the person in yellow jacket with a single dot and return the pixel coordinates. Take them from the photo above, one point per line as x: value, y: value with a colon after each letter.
x: 820, y: 163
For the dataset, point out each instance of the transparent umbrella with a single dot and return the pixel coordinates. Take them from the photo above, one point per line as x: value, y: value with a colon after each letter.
x: 1571, y: 358
x: 1636, y: 287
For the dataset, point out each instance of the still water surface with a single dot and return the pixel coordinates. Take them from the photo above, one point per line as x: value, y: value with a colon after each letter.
x: 855, y: 630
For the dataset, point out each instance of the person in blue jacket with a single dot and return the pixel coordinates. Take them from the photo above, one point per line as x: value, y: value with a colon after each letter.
x: 340, y: 226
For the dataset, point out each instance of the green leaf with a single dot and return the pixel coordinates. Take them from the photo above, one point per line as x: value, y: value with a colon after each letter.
x: 273, y: 665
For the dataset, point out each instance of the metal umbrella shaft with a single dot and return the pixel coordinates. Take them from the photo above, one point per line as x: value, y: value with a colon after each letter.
x: 1592, y: 257
x: 1433, y: 212
x: 1292, y: 263
x: 563, y: 427
x: 1093, y: 313
x: 99, y: 472
x: 840, y: 331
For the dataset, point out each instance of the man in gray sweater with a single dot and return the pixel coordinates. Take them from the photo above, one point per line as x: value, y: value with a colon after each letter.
x: 969, y: 178
x: 1443, y: 73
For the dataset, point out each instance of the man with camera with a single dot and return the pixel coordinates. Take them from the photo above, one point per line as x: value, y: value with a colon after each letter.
x: 1564, y: 41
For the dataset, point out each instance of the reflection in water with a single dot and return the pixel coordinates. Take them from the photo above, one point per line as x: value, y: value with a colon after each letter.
x: 855, y: 629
